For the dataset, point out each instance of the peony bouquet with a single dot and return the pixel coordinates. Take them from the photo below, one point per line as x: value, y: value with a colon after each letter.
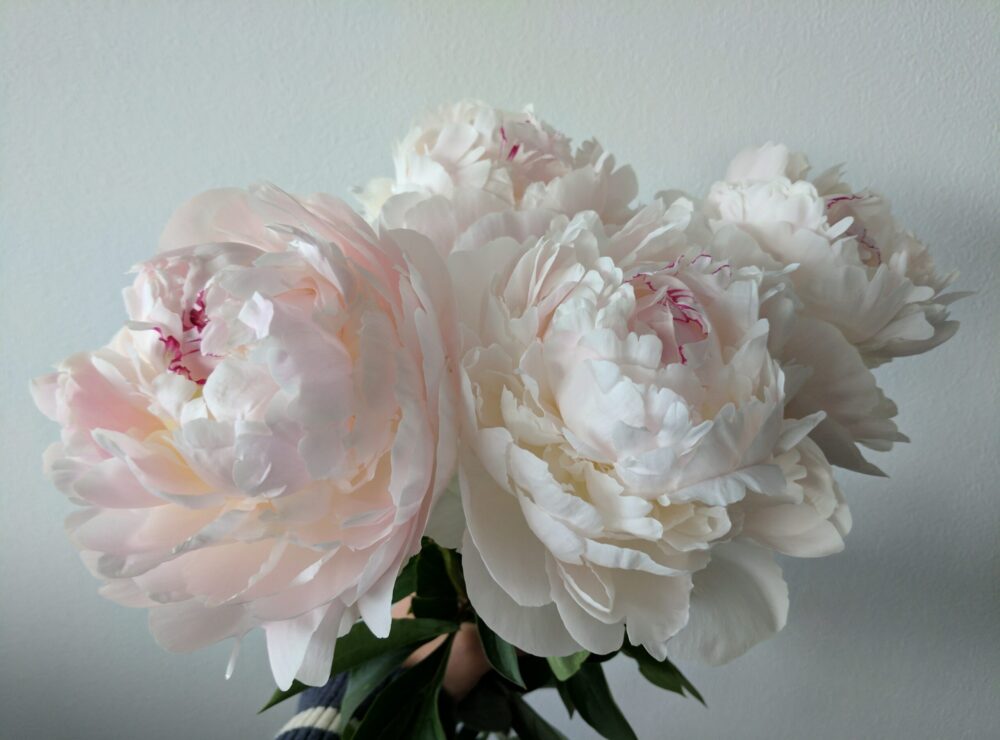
x: 508, y: 399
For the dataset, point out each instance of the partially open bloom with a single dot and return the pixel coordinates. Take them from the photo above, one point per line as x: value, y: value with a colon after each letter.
x: 262, y: 443
x: 864, y: 291
x: 625, y: 426
x: 468, y: 160
x: 858, y: 269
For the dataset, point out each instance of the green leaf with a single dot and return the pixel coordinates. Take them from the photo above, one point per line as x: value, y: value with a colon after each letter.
x: 436, y: 594
x: 446, y: 712
x: 528, y: 724
x: 360, y: 645
x: 590, y: 694
x: 662, y: 673
x: 279, y: 696
x: 563, y: 668
x: 486, y: 708
x: 456, y: 574
x: 567, y: 700
x: 536, y: 672
x: 408, y: 707
x: 500, y: 653
x: 432, y: 572
x: 406, y: 581
x: 363, y: 679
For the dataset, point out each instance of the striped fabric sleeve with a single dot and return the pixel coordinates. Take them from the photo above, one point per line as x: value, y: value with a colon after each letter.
x: 319, y: 713
x: 318, y: 717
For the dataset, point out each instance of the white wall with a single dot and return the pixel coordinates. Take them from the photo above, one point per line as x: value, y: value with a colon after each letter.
x: 111, y: 114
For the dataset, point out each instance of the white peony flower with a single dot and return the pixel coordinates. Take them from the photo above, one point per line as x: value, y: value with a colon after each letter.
x: 468, y: 160
x: 859, y: 291
x: 624, y: 423
x: 857, y: 268
x: 262, y: 443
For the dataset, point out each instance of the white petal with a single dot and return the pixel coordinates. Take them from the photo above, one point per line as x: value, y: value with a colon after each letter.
x: 737, y: 601
x: 375, y: 605
x: 288, y: 642
x: 511, y: 552
x: 593, y: 634
x: 318, y: 659
x: 538, y: 630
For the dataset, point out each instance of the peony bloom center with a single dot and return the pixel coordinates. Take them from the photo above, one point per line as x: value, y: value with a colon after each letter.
x: 183, y: 353
x: 840, y: 207
x: 670, y: 310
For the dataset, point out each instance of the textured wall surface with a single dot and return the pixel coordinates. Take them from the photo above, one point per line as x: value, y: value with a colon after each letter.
x: 111, y: 114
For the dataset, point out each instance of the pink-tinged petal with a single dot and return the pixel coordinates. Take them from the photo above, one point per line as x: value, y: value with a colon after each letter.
x: 268, y: 458
x: 238, y: 390
x: 331, y: 576
x: 290, y: 562
x: 223, y: 215
x: 223, y: 572
x: 63, y: 471
x: 315, y: 370
x: 257, y: 314
x: 112, y: 484
x: 156, y: 466
x: 208, y: 447
x: 43, y: 392
x: 88, y: 400
x: 126, y: 593
x: 189, y: 625
x: 412, y: 457
x: 165, y: 583
x: 128, y: 531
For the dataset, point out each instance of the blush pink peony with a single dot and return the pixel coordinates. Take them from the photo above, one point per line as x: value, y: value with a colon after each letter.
x: 261, y: 445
